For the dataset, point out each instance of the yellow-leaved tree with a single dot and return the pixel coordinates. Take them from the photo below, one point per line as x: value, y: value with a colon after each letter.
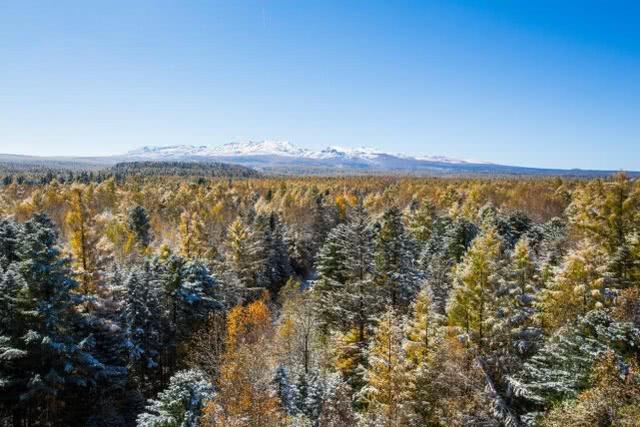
x: 244, y: 396
x: 83, y: 238
x: 385, y: 392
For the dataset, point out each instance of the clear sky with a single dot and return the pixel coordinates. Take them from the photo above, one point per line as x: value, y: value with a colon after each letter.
x: 537, y: 83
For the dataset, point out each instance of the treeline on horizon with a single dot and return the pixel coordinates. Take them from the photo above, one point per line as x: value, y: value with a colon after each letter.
x: 28, y: 173
x: 150, y: 298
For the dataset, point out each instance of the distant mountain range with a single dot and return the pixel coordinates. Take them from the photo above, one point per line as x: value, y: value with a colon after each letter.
x: 282, y: 157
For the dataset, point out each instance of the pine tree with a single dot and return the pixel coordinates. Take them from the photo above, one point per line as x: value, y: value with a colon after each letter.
x: 276, y: 266
x: 50, y: 359
x: 323, y: 219
x: 337, y: 409
x: 308, y: 393
x: 106, y: 322
x: 448, y: 243
x: 285, y: 391
x: 181, y: 404
x: 144, y: 327
x: 8, y: 243
x: 189, y: 295
x: 510, y: 227
x: 138, y: 223
x: 11, y: 328
x: 613, y: 399
x: 561, y: 368
x: 395, y: 273
x: 519, y: 334
x: 346, y: 295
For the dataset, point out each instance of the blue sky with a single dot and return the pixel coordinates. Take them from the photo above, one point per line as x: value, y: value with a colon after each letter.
x: 553, y: 84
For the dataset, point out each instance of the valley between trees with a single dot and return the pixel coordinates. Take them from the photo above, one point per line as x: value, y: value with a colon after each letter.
x: 211, y: 296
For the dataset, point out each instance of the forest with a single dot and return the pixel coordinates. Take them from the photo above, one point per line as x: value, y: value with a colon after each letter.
x: 212, y: 296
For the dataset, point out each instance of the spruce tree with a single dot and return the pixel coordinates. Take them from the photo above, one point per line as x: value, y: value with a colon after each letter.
x: 56, y: 361
x: 395, y: 273
x: 561, y: 368
x: 337, y: 408
x: 144, y: 328
x: 516, y: 326
x: 346, y: 295
x: 8, y: 242
x: 180, y: 404
x: 139, y: 225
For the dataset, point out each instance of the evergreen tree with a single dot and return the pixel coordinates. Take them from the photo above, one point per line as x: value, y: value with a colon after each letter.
x: 518, y: 332
x: 181, y: 404
x: 448, y: 243
x: 337, y: 409
x: 144, y: 327
x: 561, y: 368
x: 189, y: 295
x: 8, y: 243
x: 285, y: 390
x: 139, y: 225
x: 395, y: 273
x: 276, y: 266
x: 47, y: 358
x: 323, y: 219
x: 614, y: 398
x: 346, y: 295
x: 106, y: 321
x: 11, y: 328
x: 510, y: 227
x: 308, y: 396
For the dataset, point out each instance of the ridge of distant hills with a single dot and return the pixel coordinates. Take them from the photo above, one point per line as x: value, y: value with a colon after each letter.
x: 282, y: 157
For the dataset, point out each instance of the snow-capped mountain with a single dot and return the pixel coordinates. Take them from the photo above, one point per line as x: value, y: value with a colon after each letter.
x: 248, y: 148
x: 271, y: 148
x: 282, y: 157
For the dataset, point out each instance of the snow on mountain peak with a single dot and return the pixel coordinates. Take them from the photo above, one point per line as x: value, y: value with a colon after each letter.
x: 280, y: 149
x: 267, y: 147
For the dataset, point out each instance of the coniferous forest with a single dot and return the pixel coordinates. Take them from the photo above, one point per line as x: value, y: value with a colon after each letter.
x: 229, y: 299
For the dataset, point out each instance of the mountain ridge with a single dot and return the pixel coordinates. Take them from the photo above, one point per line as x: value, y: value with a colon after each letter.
x: 279, y: 148
x: 284, y: 158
